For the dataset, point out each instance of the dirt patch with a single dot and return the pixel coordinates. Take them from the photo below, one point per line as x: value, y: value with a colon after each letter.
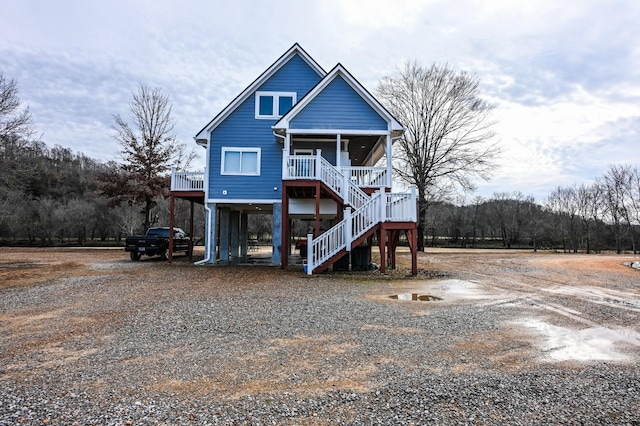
x: 25, y: 267
x: 295, y: 365
x: 29, y: 273
x: 240, y: 331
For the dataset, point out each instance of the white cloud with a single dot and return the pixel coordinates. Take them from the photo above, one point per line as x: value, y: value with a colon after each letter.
x: 565, y: 76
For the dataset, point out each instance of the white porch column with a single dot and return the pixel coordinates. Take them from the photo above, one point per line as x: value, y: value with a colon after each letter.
x: 286, y: 151
x: 348, y: 231
x: 387, y: 151
x: 338, y: 147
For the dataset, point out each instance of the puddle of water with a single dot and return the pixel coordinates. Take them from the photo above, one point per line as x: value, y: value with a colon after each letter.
x: 443, y: 290
x: 459, y: 289
x: 415, y: 297
x: 591, y: 344
x: 604, y: 296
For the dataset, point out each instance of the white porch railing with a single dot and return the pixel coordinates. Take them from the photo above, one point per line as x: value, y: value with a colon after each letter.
x: 367, y: 177
x: 367, y: 212
x: 401, y: 207
x: 380, y: 207
x: 187, y: 181
x: 317, y: 167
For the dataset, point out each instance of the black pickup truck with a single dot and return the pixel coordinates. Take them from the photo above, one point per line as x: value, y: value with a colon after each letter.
x: 156, y: 242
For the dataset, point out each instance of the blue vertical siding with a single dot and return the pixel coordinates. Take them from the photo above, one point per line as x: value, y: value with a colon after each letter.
x: 242, y: 129
x: 338, y: 106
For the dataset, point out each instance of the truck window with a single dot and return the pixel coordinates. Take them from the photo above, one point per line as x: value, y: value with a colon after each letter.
x: 158, y: 232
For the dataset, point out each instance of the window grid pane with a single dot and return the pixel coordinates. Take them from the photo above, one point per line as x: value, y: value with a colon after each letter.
x: 284, y: 104
x: 240, y: 161
x: 266, y: 105
x: 249, y: 162
x: 232, y: 162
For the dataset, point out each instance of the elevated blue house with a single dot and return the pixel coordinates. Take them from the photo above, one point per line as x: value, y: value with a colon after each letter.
x: 301, y: 142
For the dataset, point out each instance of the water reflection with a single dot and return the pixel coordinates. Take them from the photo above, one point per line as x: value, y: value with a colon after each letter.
x: 415, y: 297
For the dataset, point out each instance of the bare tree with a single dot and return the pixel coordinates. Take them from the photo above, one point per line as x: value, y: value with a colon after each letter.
x: 563, y: 202
x: 500, y: 215
x: 149, y: 149
x: 448, y: 131
x: 15, y: 131
x: 615, y: 184
x: 588, y: 199
x: 634, y: 189
x: 13, y: 121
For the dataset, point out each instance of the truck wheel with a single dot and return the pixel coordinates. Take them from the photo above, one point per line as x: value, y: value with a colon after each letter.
x: 135, y: 256
x: 165, y: 254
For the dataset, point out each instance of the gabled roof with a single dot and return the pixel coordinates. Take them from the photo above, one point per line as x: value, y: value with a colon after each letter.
x: 339, y: 71
x: 296, y: 49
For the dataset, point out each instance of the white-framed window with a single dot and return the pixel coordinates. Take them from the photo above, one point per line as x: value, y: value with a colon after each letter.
x: 274, y: 104
x: 240, y: 161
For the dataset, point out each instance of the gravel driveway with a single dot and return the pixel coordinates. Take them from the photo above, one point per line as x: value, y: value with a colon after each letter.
x: 89, y: 337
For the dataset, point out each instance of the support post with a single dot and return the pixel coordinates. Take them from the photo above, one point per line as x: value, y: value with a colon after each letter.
x: 318, y: 170
x: 317, y: 227
x: 234, y: 236
x: 345, y: 189
x: 348, y: 231
x: 244, y: 236
x: 338, y: 150
x: 382, y: 243
x: 309, y: 254
x: 285, y: 165
x: 287, y: 143
x: 284, y: 228
x: 412, y: 238
x: 171, y: 223
x: 278, y: 240
x: 389, y: 162
x: 383, y: 204
x: 212, y: 233
x: 414, y: 203
x: 191, y: 231
x: 225, y: 214
x: 394, y: 236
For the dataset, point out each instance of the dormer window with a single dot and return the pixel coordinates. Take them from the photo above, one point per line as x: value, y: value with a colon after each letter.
x: 271, y: 105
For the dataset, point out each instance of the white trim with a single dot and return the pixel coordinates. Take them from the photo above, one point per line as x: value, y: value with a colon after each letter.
x: 339, y: 70
x: 338, y: 149
x: 235, y: 201
x: 276, y: 103
x: 303, y: 151
x: 244, y: 95
x: 344, y: 132
x: 226, y: 149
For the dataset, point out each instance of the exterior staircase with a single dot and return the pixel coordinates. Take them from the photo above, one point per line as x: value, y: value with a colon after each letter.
x: 362, y: 216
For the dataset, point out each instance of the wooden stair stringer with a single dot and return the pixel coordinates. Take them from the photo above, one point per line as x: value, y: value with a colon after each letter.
x: 333, y: 259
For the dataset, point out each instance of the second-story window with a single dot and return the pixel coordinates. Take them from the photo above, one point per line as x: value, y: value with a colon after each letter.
x: 240, y: 161
x: 271, y: 105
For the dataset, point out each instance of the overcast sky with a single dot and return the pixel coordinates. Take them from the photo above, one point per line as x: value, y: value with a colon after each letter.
x: 564, y: 75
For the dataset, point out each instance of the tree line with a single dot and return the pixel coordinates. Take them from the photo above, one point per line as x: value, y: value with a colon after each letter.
x: 586, y: 217
x: 53, y: 196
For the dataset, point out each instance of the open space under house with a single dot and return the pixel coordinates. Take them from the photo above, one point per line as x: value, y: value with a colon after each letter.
x: 301, y: 143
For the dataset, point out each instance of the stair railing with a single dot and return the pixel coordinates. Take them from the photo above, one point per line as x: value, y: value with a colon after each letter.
x: 354, y: 225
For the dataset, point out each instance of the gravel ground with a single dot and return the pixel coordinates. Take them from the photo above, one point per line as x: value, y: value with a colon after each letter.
x: 89, y: 337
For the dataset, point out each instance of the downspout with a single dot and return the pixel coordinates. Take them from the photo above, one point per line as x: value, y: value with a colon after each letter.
x: 207, y: 256
x: 208, y: 249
